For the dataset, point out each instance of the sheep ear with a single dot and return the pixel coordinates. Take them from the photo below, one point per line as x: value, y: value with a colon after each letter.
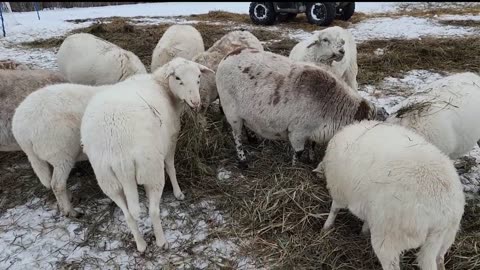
x: 205, y: 69
x: 313, y: 44
x: 317, y: 170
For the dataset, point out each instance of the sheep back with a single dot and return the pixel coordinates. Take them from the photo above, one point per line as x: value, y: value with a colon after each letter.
x: 276, y: 95
x: 86, y: 59
x: 178, y: 41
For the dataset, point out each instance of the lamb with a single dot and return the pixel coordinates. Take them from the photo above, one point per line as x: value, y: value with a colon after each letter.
x: 407, y: 191
x: 333, y: 47
x: 178, y: 41
x: 86, y: 59
x: 212, y: 57
x: 125, y: 152
x: 284, y: 99
x: 445, y: 112
x: 15, y: 85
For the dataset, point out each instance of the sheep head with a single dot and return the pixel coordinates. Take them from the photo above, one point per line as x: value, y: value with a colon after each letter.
x: 183, y: 79
x: 327, y: 46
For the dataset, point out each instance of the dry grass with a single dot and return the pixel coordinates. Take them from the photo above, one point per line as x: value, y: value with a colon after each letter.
x: 435, y: 54
x: 462, y: 23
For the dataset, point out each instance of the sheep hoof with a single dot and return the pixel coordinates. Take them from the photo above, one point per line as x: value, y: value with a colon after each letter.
x: 74, y: 214
x: 327, y: 227
x: 141, y: 245
x: 162, y: 244
x: 180, y: 196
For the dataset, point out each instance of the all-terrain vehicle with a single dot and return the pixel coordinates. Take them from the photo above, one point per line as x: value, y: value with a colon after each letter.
x: 319, y: 13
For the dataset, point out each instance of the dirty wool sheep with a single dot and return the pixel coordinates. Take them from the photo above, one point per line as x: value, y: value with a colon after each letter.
x: 86, y: 59
x: 334, y: 47
x: 446, y: 113
x: 279, y: 98
x: 212, y: 57
x: 407, y: 191
x: 15, y: 85
x: 178, y: 41
x: 125, y: 151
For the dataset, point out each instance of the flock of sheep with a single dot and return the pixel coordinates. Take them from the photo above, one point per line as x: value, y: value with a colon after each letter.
x: 395, y: 172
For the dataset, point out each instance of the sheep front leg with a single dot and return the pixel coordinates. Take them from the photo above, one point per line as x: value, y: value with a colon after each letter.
x: 298, y: 143
x: 172, y: 174
x: 237, y: 127
x: 332, y: 215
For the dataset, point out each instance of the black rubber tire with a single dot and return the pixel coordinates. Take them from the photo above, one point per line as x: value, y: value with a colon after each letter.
x: 347, y: 12
x: 270, y: 14
x: 285, y: 17
x: 329, y: 11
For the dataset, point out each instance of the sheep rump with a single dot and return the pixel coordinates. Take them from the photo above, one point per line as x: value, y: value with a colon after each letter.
x: 407, y: 192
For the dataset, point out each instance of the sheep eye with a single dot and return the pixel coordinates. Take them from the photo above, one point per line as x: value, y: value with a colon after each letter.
x: 325, y: 40
x: 177, y: 78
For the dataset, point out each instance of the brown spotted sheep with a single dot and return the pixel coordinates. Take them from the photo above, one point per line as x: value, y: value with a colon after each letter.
x: 279, y: 98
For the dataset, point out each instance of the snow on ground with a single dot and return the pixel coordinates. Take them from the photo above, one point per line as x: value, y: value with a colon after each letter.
x: 34, y: 236
x: 406, y: 28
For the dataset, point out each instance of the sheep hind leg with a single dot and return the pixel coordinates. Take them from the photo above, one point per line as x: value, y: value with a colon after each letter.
x: 448, y: 240
x: 429, y: 252
x: 119, y: 198
x: 61, y: 171
x: 388, y: 256
x: 154, y: 195
x: 41, y: 169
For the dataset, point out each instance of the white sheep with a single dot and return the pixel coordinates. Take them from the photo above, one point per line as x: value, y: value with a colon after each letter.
x: 445, y: 112
x: 129, y: 134
x: 284, y: 99
x: 46, y: 125
x: 86, y: 59
x: 178, y: 41
x: 406, y: 191
x: 333, y: 46
x: 15, y: 85
x: 212, y: 57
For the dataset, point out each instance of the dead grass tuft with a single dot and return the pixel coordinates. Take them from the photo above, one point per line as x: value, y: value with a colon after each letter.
x: 462, y: 23
x: 400, y: 55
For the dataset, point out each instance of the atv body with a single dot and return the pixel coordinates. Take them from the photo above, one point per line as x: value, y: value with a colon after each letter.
x: 319, y: 13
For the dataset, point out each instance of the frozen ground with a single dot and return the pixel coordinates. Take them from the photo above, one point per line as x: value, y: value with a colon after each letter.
x: 36, y: 236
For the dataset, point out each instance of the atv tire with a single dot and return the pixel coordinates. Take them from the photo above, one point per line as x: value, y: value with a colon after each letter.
x: 262, y: 13
x: 321, y: 13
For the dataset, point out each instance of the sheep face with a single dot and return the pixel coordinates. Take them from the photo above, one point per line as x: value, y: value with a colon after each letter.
x: 328, y: 47
x: 184, y: 82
